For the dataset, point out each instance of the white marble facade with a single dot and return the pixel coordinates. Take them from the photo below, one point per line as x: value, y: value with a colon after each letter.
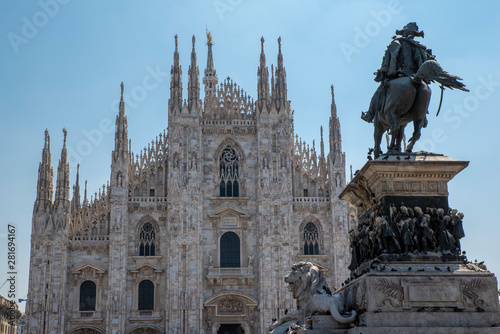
x: 195, y: 233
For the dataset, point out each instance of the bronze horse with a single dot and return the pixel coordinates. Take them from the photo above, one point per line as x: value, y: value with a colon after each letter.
x: 407, y: 100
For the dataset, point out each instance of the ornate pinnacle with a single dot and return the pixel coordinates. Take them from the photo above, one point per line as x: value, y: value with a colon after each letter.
x: 65, y: 134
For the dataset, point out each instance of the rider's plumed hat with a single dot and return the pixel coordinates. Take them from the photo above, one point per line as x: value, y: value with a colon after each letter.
x: 410, y: 29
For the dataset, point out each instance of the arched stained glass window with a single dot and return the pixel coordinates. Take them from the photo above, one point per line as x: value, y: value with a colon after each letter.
x: 147, y: 237
x: 230, y: 250
x: 311, y: 239
x: 146, y: 295
x: 87, y: 296
x: 228, y: 173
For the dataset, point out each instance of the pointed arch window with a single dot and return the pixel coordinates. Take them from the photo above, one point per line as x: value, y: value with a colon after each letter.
x: 87, y: 296
x: 230, y: 250
x: 146, y: 295
x: 229, y: 173
x: 311, y: 239
x: 147, y: 238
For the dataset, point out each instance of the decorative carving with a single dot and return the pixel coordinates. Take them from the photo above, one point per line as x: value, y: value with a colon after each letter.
x: 391, y: 289
x: 230, y: 306
x: 146, y: 272
x: 404, y: 231
x: 473, y: 288
x: 88, y: 273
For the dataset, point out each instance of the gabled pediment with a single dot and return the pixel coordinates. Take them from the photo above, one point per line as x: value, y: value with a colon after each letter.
x: 146, y: 267
x: 87, y: 271
x: 231, y: 295
x: 229, y: 211
x: 146, y: 270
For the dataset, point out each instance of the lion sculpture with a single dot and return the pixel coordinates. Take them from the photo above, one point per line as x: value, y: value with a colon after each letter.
x: 309, y: 288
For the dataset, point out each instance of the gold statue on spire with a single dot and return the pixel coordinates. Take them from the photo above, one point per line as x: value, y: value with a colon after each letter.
x: 209, y: 37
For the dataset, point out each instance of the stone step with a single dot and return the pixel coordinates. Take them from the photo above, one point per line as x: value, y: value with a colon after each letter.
x: 419, y: 330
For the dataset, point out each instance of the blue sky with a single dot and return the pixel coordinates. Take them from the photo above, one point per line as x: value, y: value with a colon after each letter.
x: 61, y: 63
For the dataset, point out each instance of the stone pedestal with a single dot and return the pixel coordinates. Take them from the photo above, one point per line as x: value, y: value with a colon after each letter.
x: 413, y: 290
x: 426, y: 297
x: 417, y: 179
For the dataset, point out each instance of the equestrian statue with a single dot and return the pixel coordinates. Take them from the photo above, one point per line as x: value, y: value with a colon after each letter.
x: 403, y: 95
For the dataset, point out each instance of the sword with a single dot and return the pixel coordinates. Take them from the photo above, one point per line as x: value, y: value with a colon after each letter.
x: 440, y: 100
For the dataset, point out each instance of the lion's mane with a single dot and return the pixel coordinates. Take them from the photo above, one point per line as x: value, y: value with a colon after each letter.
x: 311, y: 279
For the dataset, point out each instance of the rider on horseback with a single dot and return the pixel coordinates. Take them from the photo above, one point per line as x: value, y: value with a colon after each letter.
x: 403, y: 57
x: 403, y: 96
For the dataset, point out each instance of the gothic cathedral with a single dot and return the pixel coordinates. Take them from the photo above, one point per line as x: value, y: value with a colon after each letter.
x: 195, y: 233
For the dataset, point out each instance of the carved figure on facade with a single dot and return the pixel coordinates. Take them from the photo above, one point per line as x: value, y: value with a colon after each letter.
x: 250, y: 259
x: 403, y: 94
x: 310, y: 290
x: 411, y: 232
x: 210, y: 259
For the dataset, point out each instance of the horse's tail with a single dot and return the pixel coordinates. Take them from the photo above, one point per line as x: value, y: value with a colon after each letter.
x: 430, y: 70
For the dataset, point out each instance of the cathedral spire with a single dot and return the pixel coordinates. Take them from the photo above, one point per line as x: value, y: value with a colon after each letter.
x: 335, y: 138
x: 75, y: 201
x: 85, y: 200
x: 175, y: 102
x: 121, y: 132
x: 322, y: 160
x: 273, y: 88
x: 194, y: 82
x: 210, y: 80
x: 322, y: 145
x: 62, y: 183
x: 210, y: 59
x: 45, y: 186
x: 281, y: 89
x: 263, y: 79
x: 334, y: 106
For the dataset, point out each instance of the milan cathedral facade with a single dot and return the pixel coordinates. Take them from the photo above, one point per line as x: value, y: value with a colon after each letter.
x: 195, y: 233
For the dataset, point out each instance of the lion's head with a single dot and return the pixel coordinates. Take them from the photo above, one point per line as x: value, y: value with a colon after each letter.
x: 305, y: 280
